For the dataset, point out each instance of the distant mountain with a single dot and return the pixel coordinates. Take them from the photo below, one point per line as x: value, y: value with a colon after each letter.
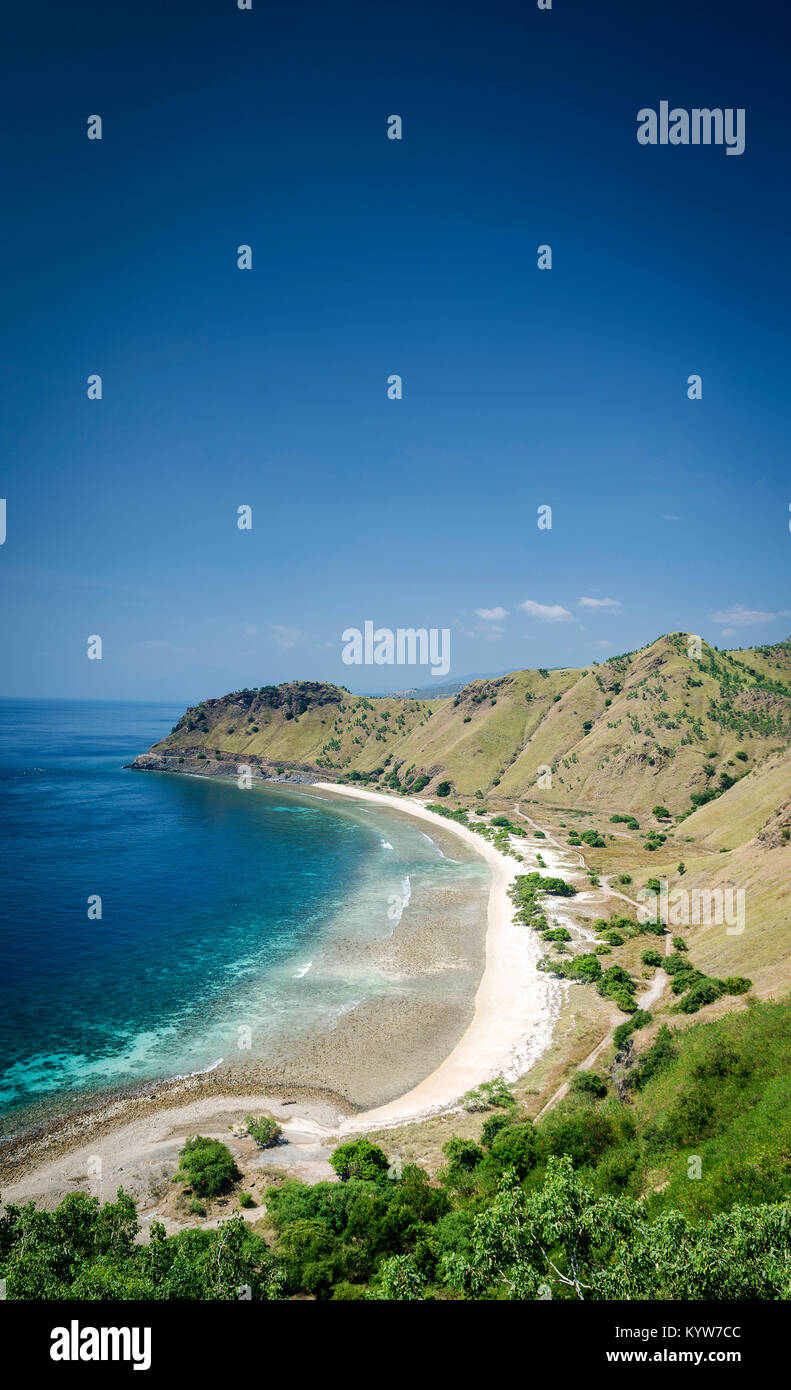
x: 650, y: 726
x: 441, y: 692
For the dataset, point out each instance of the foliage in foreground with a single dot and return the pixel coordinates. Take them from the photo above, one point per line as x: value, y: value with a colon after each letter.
x: 207, y: 1166
x: 675, y: 1186
x: 86, y: 1251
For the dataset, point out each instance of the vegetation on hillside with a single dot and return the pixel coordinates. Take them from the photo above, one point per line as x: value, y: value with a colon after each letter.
x: 668, y: 1177
x: 653, y: 728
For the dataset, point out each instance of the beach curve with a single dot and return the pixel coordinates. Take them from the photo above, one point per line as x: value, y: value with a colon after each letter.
x: 515, y: 1005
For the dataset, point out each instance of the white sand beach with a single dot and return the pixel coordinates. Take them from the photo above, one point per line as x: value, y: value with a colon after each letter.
x: 515, y: 1006
x: 515, y: 1009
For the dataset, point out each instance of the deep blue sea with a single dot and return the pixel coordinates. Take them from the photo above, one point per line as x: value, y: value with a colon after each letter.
x: 220, y: 907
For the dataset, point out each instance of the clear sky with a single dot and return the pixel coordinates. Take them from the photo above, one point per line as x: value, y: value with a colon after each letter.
x: 371, y: 256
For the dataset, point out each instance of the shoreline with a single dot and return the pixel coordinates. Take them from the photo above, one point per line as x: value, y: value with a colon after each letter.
x: 513, y: 1019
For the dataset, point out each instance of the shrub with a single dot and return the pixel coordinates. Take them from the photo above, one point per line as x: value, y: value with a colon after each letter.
x: 684, y: 979
x: 492, y: 1127
x: 207, y: 1165
x: 736, y: 984
x: 264, y: 1130
x: 488, y: 1095
x: 640, y: 1019
x: 651, y: 957
x: 246, y: 1200
x: 516, y: 1147
x: 661, y: 813
x: 463, y: 1155
x: 444, y: 789
x: 360, y: 1159
x: 587, y: 1083
x: 704, y: 992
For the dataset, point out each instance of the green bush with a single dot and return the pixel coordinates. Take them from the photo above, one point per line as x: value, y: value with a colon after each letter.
x: 360, y: 1159
x: 492, y: 1127
x: 463, y: 1156
x: 588, y: 1083
x: 736, y: 984
x: 264, y: 1130
x: 704, y: 992
x: 488, y: 1095
x: 207, y: 1166
x: 651, y: 957
x: 516, y: 1147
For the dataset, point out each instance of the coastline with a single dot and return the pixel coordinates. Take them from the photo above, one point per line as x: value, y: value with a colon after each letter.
x: 512, y: 1020
x: 513, y: 1017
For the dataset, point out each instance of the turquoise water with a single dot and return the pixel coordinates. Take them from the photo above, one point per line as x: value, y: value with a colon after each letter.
x: 229, y: 917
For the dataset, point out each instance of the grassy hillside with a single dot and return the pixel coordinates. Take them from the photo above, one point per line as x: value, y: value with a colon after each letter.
x: 664, y: 1175
x: 652, y: 726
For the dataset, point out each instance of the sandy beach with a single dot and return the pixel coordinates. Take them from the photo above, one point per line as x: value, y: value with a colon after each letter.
x: 515, y: 1005
x: 514, y: 1012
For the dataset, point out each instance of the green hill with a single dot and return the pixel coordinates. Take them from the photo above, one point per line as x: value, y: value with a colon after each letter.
x: 648, y: 727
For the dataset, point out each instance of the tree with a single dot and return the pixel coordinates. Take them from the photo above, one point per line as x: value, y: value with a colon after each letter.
x: 360, y: 1159
x: 264, y: 1130
x: 86, y: 1251
x: 516, y: 1148
x: 588, y: 1083
x: 492, y: 1127
x: 651, y: 957
x: 400, y: 1280
x: 444, y: 789
x: 522, y: 1242
x: 661, y: 813
x: 564, y: 1237
x: 463, y: 1156
x: 207, y: 1166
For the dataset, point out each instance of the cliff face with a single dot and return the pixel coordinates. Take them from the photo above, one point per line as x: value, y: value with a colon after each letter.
x: 651, y: 726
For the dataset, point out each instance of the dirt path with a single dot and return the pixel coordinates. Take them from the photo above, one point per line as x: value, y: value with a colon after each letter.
x: 647, y: 998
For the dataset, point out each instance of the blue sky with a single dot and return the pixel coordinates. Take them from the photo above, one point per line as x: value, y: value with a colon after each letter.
x: 267, y: 387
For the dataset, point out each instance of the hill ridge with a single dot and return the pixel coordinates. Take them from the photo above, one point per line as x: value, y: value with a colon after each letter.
x: 640, y: 728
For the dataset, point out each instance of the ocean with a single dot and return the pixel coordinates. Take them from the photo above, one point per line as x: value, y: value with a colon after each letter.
x: 233, y: 922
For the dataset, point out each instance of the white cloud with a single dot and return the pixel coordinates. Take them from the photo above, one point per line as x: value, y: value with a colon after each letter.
x: 728, y: 632
x: 546, y: 612
x: 671, y: 516
x: 605, y: 643
x: 287, y: 636
x: 250, y: 630
x: 600, y: 603
x: 740, y: 616
x: 491, y: 615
